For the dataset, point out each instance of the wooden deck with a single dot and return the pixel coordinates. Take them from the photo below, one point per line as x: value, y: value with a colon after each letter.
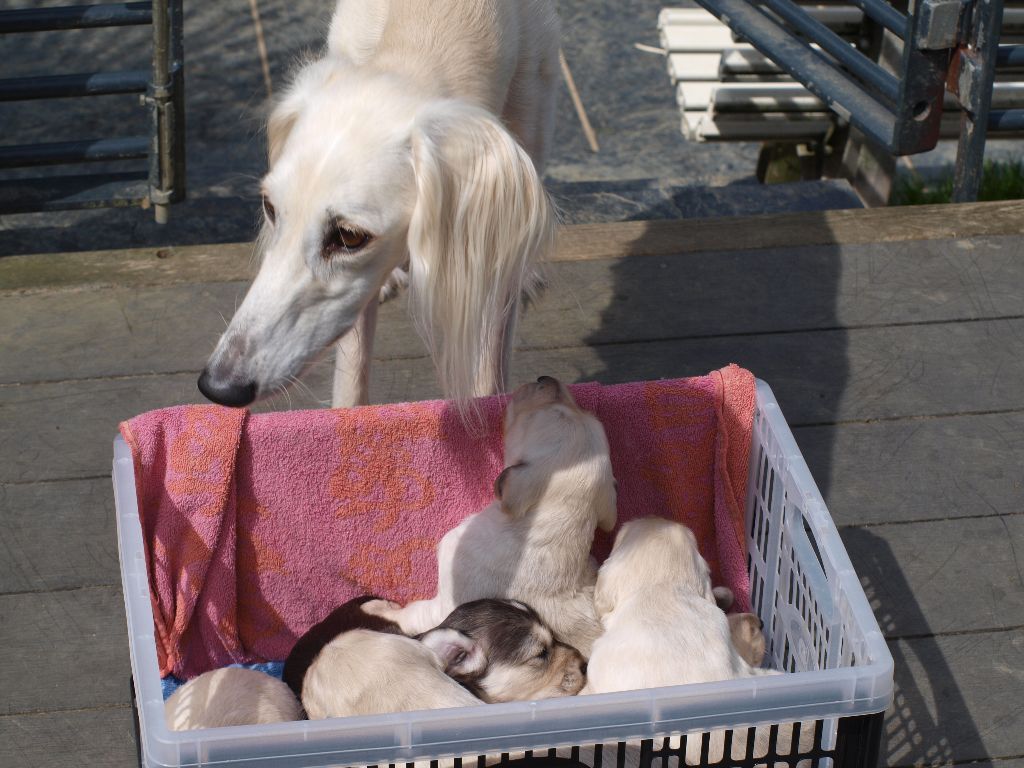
x: 894, y: 340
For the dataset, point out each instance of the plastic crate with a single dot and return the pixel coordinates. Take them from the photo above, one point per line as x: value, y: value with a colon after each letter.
x: 817, y: 620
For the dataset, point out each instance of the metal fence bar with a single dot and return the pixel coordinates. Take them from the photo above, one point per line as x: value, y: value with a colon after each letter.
x: 834, y: 87
x: 87, y: 151
x: 166, y: 96
x: 886, y: 15
x: 974, y: 88
x: 75, y: 17
x: 84, y: 84
x: 1006, y: 120
x: 1010, y: 56
x: 849, y: 57
x: 60, y: 193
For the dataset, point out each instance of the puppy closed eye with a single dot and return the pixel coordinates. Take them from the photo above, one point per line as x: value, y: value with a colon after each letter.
x: 341, y: 238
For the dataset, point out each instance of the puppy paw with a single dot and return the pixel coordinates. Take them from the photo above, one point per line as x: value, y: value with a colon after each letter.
x: 384, y: 609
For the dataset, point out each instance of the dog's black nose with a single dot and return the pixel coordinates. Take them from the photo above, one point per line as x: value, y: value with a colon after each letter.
x: 547, y: 380
x: 231, y: 394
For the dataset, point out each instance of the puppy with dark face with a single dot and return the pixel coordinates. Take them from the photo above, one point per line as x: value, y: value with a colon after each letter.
x: 525, y: 660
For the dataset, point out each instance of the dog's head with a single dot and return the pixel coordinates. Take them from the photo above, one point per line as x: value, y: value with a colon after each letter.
x: 554, y: 450
x: 524, y: 660
x: 650, y: 552
x: 366, y: 173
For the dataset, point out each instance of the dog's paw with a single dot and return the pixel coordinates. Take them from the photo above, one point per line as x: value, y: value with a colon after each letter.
x: 384, y: 609
x: 397, y: 280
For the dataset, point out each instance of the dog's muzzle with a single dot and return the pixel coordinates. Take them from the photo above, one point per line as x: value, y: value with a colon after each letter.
x: 230, y: 393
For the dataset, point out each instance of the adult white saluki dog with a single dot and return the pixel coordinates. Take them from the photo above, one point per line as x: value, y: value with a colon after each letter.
x: 417, y: 139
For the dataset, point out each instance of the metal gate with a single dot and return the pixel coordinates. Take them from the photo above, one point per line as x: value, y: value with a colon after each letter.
x: 161, y: 91
x: 946, y: 45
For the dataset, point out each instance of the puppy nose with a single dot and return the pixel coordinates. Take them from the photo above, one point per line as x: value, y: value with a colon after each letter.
x: 547, y: 380
x: 230, y: 393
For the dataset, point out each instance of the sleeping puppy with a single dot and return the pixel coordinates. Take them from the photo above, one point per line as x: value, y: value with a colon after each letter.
x: 532, y: 543
x: 662, y: 626
x: 347, y: 617
x: 361, y: 672
x: 661, y: 623
x: 524, y: 659
x: 230, y: 696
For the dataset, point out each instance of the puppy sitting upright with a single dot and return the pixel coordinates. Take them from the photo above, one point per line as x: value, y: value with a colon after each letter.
x: 533, y: 542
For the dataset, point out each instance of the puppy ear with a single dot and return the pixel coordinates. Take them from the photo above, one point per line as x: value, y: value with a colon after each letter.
x: 519, y: 487
x: 481, y: 225
x: 724, y: 598
x: 460, y: 654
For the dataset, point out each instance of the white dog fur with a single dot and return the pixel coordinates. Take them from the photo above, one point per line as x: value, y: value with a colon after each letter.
x: 533, y: 542
x: 230, y: 696
x: 419, y: 138
x: 662, y: 626
x: 362, y: 672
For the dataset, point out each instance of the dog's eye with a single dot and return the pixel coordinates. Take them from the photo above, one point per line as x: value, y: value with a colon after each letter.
x: 269, y: 211
x: 542, y: 655
x: 343, y: 239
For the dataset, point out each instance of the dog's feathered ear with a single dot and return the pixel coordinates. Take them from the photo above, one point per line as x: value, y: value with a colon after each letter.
x: 286, y: 111
x: 481, y: 225
x: 461, y: 655
x: 519, y: 487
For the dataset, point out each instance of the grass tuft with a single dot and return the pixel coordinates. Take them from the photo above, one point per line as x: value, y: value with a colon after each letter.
x: 1000, y: 180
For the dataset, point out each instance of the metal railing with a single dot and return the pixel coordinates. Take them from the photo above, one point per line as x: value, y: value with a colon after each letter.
x: 946, y: 45
x: 162, y: 92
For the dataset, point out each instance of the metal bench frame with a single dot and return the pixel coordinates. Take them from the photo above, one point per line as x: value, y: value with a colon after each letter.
x: 162, y: 92
x: 946, y: 45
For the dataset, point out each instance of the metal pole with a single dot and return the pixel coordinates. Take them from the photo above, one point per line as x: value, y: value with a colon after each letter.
x: 976, y: 72
x: 159, y: 94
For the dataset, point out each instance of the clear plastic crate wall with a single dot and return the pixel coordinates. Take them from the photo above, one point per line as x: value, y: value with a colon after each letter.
x: 795, y: 585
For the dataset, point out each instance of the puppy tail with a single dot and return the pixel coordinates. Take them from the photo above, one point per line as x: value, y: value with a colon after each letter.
x: 480, y: 229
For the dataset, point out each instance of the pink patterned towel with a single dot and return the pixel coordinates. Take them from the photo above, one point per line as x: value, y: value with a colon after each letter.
x: 256, y: 526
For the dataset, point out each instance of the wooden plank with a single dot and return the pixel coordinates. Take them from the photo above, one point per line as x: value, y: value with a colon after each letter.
x: 957, y: 699
x: 144, y: 330
x: 918, y: 469
x: 63, y: 650
x: 875, y: 225
x: 21, y: 275
x: 912, y: 574
x: 63, y: 430
x: 92, y: 737
x: 37, y: 558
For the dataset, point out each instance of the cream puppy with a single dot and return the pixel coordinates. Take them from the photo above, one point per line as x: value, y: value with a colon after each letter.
x: 661, y: 623
x: 663, y: 627
x: 532, y: 543
x: 362, y: 672
x: 230, y: 696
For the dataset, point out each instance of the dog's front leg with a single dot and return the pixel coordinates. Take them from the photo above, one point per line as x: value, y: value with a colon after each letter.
x: 352, y: 361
